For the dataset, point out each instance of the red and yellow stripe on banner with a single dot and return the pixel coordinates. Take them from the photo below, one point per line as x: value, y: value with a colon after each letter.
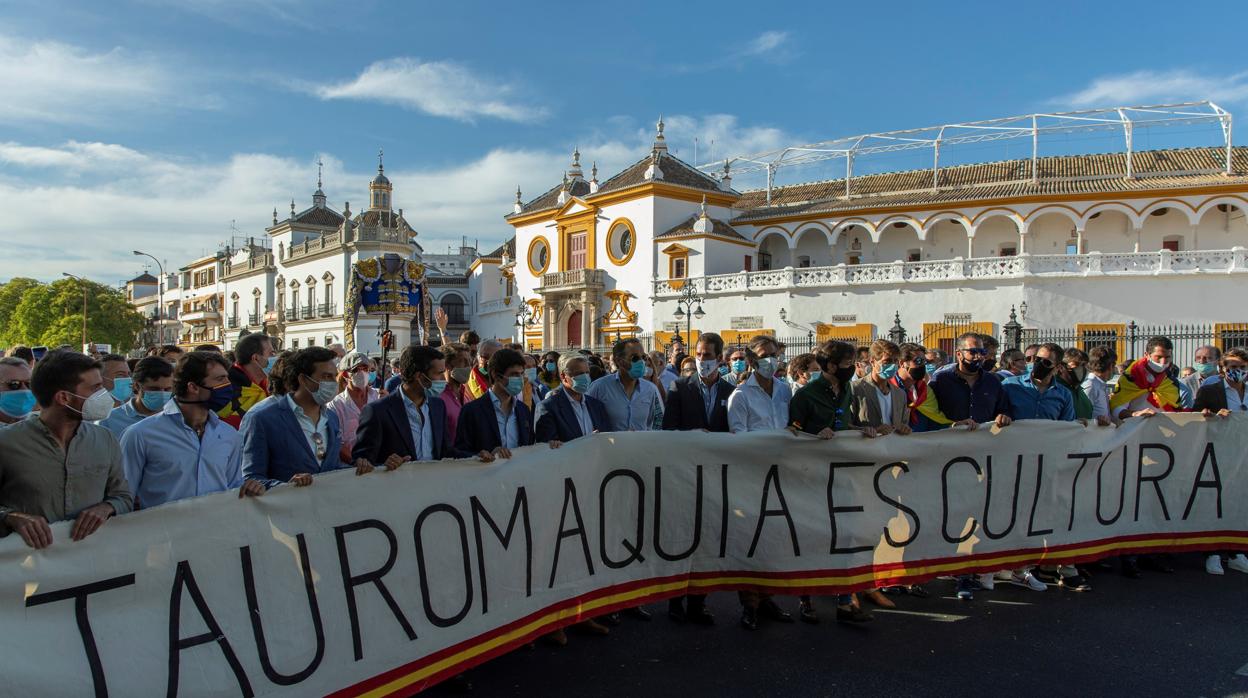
x: 428, y: 670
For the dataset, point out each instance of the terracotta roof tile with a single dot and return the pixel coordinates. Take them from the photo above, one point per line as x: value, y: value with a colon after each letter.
x: 326, y: 217
x: 1066, y: 174
x: 720, y: 228
x: 675, y: 171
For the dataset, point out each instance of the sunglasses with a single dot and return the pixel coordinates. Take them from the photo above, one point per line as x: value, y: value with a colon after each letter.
x: 1043, y: 362
x: 975, y: 352
x: 319, y: 441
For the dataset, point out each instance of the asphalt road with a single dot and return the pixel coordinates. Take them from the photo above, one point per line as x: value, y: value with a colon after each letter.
x: 1181, y: 634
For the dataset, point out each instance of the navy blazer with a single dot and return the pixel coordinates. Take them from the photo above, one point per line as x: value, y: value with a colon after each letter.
x: 685, y: 410
x: 275, y: 449
x: 557, y: 422
x: 477, y: 429
x: 385, y: 431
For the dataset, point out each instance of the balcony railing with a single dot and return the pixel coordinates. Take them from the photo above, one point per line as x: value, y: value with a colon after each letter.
x: 573, y: 279
x: 232, y: 322
x: 326, y: 310
x: 292, y: 313
x: 308, y: 312
x: 311, y: 246
x: 198, y: 315
x: 253, y: 319
x: 1093, y: 264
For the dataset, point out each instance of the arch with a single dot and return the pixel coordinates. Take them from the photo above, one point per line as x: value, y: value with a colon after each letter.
x: 931, y: 221
x: 850, y: 223
x: 453, y: 305
x: 779, y: 229
x: 574, y: 329
x: 1071, y: 214
x: 1131, y: 214
x: 774, y: 256
x: 814, y: 225
x: 1234, y: 201
x: 996, y: 212
x: 893, y: 220
x: 812, y: 247
x: 1181, y: 206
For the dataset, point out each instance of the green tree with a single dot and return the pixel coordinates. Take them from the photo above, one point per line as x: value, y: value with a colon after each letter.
x: 10, y: 295
x: 51, y: 314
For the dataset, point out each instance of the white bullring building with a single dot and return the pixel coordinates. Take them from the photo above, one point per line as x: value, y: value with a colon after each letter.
x: 1086, y: 242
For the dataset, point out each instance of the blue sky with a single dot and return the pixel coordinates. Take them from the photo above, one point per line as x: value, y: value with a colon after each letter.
x: 157, y: 123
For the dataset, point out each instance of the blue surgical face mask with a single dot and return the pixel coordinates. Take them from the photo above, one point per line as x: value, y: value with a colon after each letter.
x: 531, y: 374
x: 1031, y: 365
x: 1234, y: 375
x: 723, y: 370
x: 931, y: 369
x: 551, y: 366
x: 1205, y: 369
x: 155, y: 400
x: 515, y: 385
x: 269, y: 366
x: 738, y: 365
x: 436, y: 388
x: 581, y: 383
x: 372, y: 377
x: 123, y: 388
x: 887, y: 371
x: 637, y: 369
x: 17, y: 403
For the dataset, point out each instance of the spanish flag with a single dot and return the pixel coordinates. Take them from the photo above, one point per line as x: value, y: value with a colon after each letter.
x: 1140, y: 379
x: 478, y: 384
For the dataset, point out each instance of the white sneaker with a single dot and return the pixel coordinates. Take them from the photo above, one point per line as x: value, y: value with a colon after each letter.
x: 1213, y: 564
x: 1005, y: 576
x: 1239, y: 563
x: 1027, y: 579
x: 986, y: 581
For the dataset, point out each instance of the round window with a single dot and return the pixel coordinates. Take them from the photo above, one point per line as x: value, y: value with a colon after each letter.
x: 620, y: 242
x: 539, y: 256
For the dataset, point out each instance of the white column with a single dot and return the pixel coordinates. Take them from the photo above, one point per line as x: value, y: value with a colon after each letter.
x: 1079, y: 241
x: 585, y: 319
x: 1022, y: 242
x: 593, y: 340
x: 1139, y: 231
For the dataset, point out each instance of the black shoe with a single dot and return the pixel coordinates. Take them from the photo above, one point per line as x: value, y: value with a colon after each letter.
x: 1076, y: 583
x: 701, y: 616
x: 917, y: 591
x: 459, y: 684
x: 852, y: 614
x: 749, y: 619
x: 610, y: 620
x: 806, y: 611
x: 1130, y: 569
x: 638, y: 612
x: 771, y: 611
x: 676, y: 611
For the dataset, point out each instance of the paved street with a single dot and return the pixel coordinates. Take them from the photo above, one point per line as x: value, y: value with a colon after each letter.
x: 1181, y: 634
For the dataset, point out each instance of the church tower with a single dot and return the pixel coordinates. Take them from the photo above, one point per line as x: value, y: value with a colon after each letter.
x: 379, y: 189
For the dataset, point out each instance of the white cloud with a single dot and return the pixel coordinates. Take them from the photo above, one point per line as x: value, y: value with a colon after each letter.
x: 82, y: 207
x: 439, y: 88
x: 50, y: 81
x: 1153, y: 87
x: 766, y: 42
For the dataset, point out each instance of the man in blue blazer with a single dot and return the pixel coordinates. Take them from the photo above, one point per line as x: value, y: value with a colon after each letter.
x: 297, y: 436
x: 497, y: 422
x: 409, y: 424
x: 568, y: 413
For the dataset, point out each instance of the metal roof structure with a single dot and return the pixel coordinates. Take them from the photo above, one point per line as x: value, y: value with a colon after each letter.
x: 1033, y: 126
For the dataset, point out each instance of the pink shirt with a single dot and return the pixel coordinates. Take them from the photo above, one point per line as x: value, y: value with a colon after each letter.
x: 349, y: 414
x: 454, y: 401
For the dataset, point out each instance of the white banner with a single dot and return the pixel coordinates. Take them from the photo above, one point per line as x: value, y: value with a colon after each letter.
x: 387, y: 583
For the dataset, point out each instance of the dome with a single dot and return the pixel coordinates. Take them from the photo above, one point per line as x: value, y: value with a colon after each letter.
x: 381, y: 179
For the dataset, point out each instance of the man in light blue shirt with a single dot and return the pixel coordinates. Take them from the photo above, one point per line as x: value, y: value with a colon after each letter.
x: 633, y: 404
x: 153, y: 383
x: 421, y: 427
x: 186, y: 450
x: 1037, y: 395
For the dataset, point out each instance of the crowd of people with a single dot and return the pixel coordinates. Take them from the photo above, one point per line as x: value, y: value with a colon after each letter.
x: 87, y: 438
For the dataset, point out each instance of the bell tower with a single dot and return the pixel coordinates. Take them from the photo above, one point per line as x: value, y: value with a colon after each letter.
x: 379, y: 189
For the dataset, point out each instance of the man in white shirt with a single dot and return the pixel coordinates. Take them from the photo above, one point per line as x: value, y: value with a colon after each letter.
x: 1101, y: 362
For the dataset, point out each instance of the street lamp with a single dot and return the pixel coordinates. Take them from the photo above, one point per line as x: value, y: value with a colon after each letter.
x: 685, y: 310
x: 160, y: 296
x: 810, y: 332
x: 524, y: 317
x: 83, y: 282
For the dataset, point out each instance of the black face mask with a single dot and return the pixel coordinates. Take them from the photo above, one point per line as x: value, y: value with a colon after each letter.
x: 990, y: 364
x: 1041, y: 370
x: 844, y: 375
x: 917, y: 372
x: 970, y: 365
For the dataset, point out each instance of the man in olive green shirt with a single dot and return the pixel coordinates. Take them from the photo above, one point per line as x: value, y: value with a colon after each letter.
x: 56, y: 465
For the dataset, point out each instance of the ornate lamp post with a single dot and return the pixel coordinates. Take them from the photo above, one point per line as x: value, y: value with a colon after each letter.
x: 82, y: 282
x: 897, y: 333
x: 524, y: 318
x: 686, y: 311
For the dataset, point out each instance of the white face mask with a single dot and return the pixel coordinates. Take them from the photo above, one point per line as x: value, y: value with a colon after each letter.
x: 708, y: 368
x: 359, y: 379
x: 767, y: 366
x: 325, y: 391
x: 96, y: 406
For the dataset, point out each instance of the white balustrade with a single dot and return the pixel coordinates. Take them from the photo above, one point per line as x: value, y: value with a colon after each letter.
x: 988, y: 268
